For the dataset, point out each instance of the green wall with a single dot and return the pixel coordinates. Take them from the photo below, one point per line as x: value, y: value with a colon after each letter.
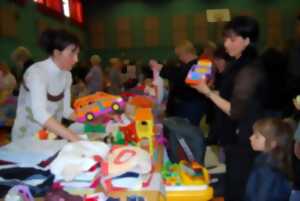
x: 166, y: 9
x: 27, y: 31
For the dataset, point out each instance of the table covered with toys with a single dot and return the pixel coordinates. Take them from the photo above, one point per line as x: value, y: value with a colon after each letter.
x: 121, y: 157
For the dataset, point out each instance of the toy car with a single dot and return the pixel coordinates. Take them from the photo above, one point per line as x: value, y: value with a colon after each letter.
x: 89, y: 107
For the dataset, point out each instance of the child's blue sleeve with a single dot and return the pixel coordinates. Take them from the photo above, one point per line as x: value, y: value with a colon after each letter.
x: 266, y: 184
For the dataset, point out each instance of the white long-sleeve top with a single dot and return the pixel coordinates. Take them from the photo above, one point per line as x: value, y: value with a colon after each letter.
x: 34, y: 108
x: 159, y: 83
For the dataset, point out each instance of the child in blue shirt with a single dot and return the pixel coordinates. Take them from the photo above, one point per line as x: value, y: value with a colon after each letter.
x: 271, y: 174
x: 295, y: 195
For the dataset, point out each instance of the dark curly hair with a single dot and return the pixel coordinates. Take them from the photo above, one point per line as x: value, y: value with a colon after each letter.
x: 244, y: 26
x: 58, y: 39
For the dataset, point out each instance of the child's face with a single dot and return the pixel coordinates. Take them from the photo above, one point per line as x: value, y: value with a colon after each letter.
x: 258, y: 141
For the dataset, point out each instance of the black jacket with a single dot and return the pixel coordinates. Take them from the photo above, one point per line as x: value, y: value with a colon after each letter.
x: 176, y: 77
x: 179, y: 91
x: 243, y: 85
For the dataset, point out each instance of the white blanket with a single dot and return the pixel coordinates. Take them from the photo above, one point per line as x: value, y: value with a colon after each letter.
x: 30, y: 152
x: 77, y: 157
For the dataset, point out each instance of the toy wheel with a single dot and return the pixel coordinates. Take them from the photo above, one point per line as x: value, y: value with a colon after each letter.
x: 89, y: 116
x: 115, y: 107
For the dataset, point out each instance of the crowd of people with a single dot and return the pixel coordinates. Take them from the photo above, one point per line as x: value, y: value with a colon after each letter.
x: 248, y: 102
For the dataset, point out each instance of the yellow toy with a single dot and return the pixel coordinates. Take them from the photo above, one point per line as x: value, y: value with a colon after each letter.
x: 193, y: 173
x: 193, y: 185
x: 145, y: 127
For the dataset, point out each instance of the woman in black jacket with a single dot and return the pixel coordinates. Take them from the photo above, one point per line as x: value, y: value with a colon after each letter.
x: 241, y: 100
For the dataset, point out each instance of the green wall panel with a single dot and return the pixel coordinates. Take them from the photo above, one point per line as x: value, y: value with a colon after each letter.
x: 27, y: 31
x: 165, y: 10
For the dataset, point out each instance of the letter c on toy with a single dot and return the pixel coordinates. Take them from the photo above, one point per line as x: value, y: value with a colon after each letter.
x: 124, y: 156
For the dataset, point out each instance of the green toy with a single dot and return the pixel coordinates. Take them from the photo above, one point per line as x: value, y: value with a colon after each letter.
x: 170, y: 174
x: 90, y: 128
x: 118, y: 137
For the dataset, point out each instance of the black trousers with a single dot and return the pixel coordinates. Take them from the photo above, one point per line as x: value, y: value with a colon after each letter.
x: 239, y: 161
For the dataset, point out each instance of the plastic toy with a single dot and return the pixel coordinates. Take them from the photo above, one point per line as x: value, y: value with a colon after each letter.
x: 186, y: 181
x: 118, y: 137
x: 170, y: 174
x: 89, y: 107
x: 45, y: 135
x: 129, y: 132
x: 144, y: 122
x: 89, y: 128
x: 199, y: 72
x: 145, y: 126
x: 193, y: 173
x: 94, y: 132
x: 184, y: 173
x: 142, y: 101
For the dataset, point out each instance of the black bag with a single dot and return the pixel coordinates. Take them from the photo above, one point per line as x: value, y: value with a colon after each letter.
x: 17, y: 175
x: 185, y: 137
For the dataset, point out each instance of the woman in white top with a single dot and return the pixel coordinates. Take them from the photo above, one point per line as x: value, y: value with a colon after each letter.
x: 45, y: 90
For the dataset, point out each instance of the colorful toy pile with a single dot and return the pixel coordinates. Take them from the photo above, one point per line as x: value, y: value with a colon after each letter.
x: 186, y: 181
x: 184, y: 173
x: 170, y: 174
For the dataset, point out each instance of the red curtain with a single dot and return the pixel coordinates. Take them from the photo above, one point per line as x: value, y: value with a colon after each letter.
x: 55, y: 5
x: 76, y: 10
